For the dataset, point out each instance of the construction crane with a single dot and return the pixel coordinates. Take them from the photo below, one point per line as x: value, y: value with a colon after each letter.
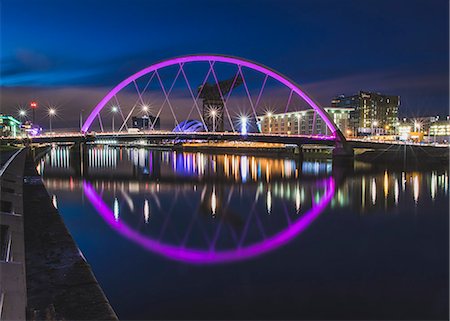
x: 213, y: 101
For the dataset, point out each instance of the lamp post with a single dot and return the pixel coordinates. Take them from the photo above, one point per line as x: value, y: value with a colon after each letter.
x: 114, y: 110
x: 213, y: 115
x: 145, y: 110
x: 51, y: 113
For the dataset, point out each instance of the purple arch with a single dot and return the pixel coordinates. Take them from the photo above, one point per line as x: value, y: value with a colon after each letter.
x: 197, y: 256
x: 215, y: 58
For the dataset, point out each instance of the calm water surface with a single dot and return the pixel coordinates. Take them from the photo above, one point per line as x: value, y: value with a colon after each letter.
x: 173, y: 235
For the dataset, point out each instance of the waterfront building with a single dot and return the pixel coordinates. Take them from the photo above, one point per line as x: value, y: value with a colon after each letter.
x: 373, y: 113
x: 9, y: 126
x: 428, y: 129
x: 439, y: 131
x: 305, y: 122
x: 419, y: 124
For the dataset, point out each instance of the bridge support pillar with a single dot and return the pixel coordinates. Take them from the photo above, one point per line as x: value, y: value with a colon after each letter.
x: 298, y: 151
x: 343, y: 154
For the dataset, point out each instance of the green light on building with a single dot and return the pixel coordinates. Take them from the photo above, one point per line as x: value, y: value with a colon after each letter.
x: 9, y: 126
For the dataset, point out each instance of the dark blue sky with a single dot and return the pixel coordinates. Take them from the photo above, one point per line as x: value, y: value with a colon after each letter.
x: 53, y: 50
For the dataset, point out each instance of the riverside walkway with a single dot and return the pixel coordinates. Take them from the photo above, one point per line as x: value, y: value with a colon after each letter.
x: 43, y: 273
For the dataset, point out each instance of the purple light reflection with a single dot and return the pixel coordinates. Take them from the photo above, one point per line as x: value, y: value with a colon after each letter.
x: 198, y: 256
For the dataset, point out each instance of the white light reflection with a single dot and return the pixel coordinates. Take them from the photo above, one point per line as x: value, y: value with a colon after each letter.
x: 54, y: 201
x: 269, y: 201
x: 403, y: 181
x: 433, y: 185
x: 244, y: 168
x: 146, y: 211
x: 416, y: 188
x: 116, y: 209
x: 396, y: 191
x: 373, y: 191
x: 297, y: 200
x: 213, y: 202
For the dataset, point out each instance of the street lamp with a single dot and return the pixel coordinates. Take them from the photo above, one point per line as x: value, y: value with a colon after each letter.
x: 114, y: 110
x: 145, y: 110
x: 213, y: 114
x: 51, y: 113
x: 22, y: 113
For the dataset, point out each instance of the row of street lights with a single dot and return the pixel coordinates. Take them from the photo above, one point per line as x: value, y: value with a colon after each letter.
x: 51, y: 112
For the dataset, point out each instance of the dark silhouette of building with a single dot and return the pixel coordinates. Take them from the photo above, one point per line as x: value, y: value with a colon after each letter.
x: 145, y: 122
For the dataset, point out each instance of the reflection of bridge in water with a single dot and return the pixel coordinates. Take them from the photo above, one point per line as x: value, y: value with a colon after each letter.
x: 142, y: 193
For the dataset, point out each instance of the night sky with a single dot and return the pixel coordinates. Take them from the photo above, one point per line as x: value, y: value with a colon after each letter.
x: 69, y: 53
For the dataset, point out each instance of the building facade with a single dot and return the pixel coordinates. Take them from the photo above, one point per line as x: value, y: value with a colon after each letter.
x: 306, y: 122
x: 9, y: 126
x: 439, y: 131
x: 372, y: 112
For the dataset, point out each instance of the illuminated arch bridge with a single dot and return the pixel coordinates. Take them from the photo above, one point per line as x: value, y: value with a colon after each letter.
x: 207, y: 93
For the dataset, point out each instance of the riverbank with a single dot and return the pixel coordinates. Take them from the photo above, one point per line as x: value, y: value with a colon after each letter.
x: 60, y: 283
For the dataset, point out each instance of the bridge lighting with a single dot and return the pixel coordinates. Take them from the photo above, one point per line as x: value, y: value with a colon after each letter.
x: 114, y: 109
x: 145, y: 108
x: 244, y: 121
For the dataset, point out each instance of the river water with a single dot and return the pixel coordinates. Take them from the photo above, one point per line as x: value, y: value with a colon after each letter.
x: 177, y: 235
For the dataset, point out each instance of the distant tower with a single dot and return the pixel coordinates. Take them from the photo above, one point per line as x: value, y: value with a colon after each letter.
x: 212, y: 101
x: 33, y: 106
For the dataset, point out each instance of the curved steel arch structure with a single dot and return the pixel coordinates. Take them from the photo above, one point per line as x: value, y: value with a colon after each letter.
x: 240, y: 62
